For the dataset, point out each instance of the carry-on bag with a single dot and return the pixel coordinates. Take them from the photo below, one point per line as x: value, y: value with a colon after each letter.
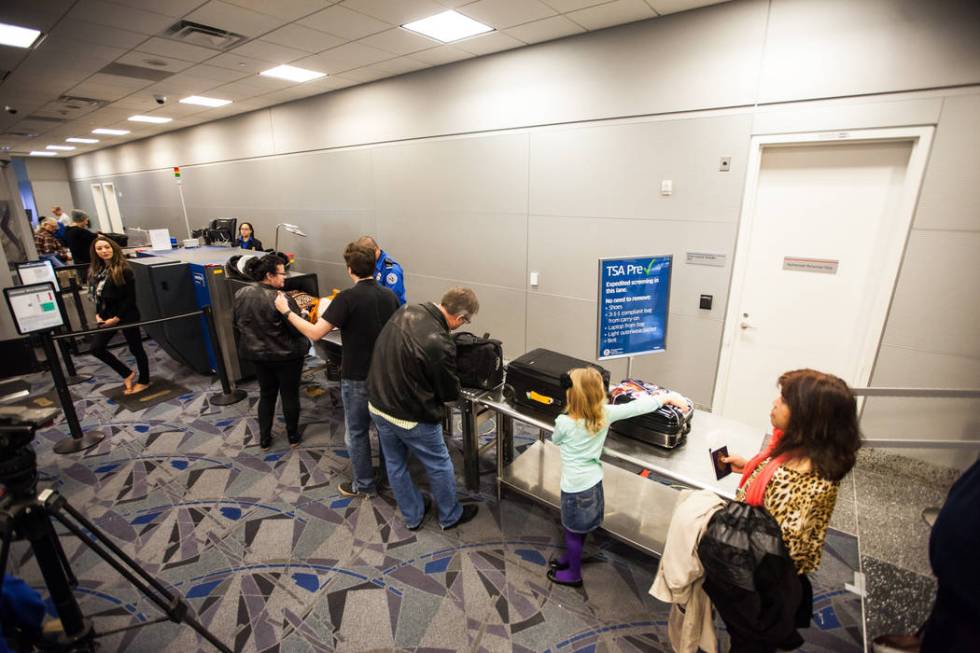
x: 665, y: 427
x: 479, y: 361
x: 534, y: 379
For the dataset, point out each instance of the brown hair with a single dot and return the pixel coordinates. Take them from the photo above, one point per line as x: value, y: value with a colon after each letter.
x: 117, y: 265
x: 360, y: 260
x: 460, y: 302
x: 587, y: 398
x: 823, y: 422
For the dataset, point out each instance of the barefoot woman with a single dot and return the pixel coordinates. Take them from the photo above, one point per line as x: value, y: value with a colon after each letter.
x: 113, y: 288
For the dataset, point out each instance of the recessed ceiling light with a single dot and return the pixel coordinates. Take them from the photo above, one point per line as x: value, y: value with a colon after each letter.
x: 110, y: 132
x: 66, y: 148
x: 18, y: 37
x: 292, y: 73
x: 448, y: 26
x: 205, y: 101
x: 157, y: 120
x: 81, y: 140
x: 43, y: 153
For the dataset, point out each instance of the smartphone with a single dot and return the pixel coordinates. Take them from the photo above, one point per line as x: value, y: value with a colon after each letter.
x: 721, y: 469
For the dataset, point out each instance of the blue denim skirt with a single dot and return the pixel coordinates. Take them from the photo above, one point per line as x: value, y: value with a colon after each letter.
x: 582, y: 512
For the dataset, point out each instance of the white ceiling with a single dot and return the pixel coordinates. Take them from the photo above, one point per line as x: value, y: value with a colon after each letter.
x: 354, y: 41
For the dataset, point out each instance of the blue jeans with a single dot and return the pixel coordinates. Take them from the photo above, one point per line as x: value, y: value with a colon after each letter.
x: 357, y: 437
x: 425, y: 441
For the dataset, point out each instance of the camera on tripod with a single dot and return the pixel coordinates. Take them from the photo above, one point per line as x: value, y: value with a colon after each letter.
x: 18, y: 464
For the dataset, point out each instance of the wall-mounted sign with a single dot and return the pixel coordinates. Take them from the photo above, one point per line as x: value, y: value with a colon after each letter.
x: 633, y: 297
x: 818, y: 265
x: 706, y: 258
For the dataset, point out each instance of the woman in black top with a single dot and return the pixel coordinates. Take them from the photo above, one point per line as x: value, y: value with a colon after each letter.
x: 275, y: 348
x: 113, y: 288
x: 247, y: 239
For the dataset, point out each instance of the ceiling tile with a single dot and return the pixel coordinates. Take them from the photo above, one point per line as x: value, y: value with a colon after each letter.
x: 240, y: 63
x: 614, y: 13
x: 37, y: 15
x: 304, y: 38
x: 487, y: 43
x: 235, y: 19
x: 442, y: 55
x: 237, y: 91
x: 216, y: 73
x: 399, y: 41
x: 663, y: 7
x: 177, y: 50
x: 99, y: 91
x: 564, y: 6
x: 173, y: 8
x: 131, y: 83
x: 345, y: 23
x: 67, y: 50
x: 179, y: 86
x: 400, y: 65
x: 545, y: 30
x: 285, y: 9
x: 138, y: 103
x: 396, y: 12
x: 143, y: 60
x: 366, y: 74
x: 265, y: 51
x: 346, y: 57
x: 89, y: 32
x: 120, y: 16
x: 506, y: 13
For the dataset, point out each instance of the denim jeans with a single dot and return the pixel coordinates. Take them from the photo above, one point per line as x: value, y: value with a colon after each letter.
x: 425, y: 441
x: 358, y: 438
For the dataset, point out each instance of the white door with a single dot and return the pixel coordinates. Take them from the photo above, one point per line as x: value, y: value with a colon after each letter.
x: 818, y: 254
x: 100, y: 208
x: 115, y: 217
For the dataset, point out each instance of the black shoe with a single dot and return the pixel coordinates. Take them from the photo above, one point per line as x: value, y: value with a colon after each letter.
x: 426, y: 506
x: 265, y: 442
x: 294, y: 441
x: 556, y: 581
x: 347, y: 489
x: 469, y: 512
x: 557, y: 566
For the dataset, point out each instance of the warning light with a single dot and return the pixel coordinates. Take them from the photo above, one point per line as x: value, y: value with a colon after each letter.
x: 176, y: 172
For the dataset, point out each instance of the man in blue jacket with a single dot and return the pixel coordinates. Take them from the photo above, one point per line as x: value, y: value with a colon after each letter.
x: 387, y: 272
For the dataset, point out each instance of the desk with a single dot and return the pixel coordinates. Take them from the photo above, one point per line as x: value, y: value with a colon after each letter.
x: 638, y: 510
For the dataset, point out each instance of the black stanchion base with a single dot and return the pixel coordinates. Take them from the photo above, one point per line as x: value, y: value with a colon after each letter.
x: 71, y: 445
x: 75, y: 379
x: 222, y: 399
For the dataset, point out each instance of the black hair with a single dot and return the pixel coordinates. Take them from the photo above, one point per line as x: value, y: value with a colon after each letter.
x: 360, y: 260
x: 259, y: 267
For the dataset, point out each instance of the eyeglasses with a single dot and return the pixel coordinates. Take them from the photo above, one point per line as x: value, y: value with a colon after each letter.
x: 463, y: 319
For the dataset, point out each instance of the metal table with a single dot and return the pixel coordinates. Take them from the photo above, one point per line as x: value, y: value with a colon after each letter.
x: 638, y: 510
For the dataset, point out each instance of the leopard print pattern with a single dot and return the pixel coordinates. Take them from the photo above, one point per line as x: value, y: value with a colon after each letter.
x: 801, y: 503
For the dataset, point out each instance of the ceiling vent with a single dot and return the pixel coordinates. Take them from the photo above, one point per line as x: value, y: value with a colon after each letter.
x: 19, y: 134
x: 49, y: 119
x: 135, y: 72
x: 75, y: 103
x: 204, y: 35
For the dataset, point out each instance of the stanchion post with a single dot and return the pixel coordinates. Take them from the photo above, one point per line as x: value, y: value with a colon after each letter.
x: 78, y: 441
x: 228, y: 395
x: 73, y: 377
x: 77, y: 298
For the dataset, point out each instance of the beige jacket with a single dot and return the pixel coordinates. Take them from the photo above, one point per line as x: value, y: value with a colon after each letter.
x: 680, y: 575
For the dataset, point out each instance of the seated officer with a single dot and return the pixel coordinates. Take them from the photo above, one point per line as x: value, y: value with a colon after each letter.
x: 387, y: 272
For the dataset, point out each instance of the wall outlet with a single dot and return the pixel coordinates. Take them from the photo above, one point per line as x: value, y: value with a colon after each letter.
x: 726, y: 164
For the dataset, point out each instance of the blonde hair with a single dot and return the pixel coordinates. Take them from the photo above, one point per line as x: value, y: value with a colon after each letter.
x: 587, y: 398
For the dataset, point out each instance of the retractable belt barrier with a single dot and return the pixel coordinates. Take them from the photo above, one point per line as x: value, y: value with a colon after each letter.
x: 80, y: 441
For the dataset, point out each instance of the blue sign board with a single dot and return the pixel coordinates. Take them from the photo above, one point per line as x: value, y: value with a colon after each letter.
x: 633, y: 297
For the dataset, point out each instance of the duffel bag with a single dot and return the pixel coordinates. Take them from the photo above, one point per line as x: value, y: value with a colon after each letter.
x: 479, y: 361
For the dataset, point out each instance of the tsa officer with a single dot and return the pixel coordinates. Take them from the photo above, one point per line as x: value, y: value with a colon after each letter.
x: 387, y: 271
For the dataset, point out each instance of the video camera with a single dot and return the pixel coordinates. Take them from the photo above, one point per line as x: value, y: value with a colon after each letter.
x: 18, y: 464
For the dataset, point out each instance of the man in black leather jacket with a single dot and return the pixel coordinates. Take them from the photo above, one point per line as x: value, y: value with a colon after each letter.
x: 412, y: 376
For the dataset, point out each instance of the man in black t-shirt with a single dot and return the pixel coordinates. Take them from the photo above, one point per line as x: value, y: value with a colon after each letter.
x: 359, y: 312
x: 79, y: 238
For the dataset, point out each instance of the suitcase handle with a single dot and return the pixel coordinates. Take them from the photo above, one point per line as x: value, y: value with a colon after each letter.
x: 541, y: 399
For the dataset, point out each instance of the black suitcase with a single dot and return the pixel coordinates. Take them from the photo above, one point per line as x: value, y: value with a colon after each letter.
x: 534, y: 379
x: 666, y: 427
x: 479, y: 361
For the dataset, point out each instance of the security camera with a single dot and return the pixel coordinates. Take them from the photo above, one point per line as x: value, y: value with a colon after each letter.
x: 161, y: 99
x: 9, y: 109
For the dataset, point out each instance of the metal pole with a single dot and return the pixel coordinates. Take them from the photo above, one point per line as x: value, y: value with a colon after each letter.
x: 73, y: 377
x: 78, y: 441
x: 629, y: 367
x: 79, y: 306
x: 227, y: 396
x: 183, y: 207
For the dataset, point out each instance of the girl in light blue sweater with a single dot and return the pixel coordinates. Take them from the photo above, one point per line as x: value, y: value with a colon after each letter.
x: 580, y: 435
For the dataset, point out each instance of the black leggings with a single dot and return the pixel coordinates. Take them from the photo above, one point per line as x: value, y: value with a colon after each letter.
x: 279, y: 378
x: 135, y: 341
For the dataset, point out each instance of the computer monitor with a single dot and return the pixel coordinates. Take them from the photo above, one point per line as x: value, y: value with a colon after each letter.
x: 36, y: 272
x: 223, y: 230
x: 34, y: 307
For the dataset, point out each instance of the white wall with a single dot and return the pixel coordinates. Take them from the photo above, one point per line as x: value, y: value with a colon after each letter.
x: 49, y: 183
x: 545, y: 158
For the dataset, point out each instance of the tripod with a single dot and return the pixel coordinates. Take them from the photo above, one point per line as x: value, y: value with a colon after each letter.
x: 30, y: 518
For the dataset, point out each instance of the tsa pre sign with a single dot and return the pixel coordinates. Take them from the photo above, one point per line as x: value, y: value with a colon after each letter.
x: 633, y: 297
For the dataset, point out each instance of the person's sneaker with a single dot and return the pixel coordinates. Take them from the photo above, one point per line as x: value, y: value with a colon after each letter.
x: 426, y: 506
x: 347, y: 489
x: 469, y: 512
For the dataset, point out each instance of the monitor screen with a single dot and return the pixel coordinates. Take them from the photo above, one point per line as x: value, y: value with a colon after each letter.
x: 34, y: 307
x: 634, y: 295
x: 36, y: 272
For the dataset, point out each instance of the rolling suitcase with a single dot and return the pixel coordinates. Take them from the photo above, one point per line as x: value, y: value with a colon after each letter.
x: 666, y: 427
x: 534, y: 379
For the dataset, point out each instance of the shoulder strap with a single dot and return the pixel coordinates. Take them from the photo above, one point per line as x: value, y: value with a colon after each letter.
x: 755, y: 494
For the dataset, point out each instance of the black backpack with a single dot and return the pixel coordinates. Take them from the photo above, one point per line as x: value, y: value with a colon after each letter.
x: 479, y: 361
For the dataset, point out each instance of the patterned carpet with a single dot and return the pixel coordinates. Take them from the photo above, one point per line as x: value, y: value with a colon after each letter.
x: 272, y: 558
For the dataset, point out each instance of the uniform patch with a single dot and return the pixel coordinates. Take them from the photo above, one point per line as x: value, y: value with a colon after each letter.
x: 392, y: 278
